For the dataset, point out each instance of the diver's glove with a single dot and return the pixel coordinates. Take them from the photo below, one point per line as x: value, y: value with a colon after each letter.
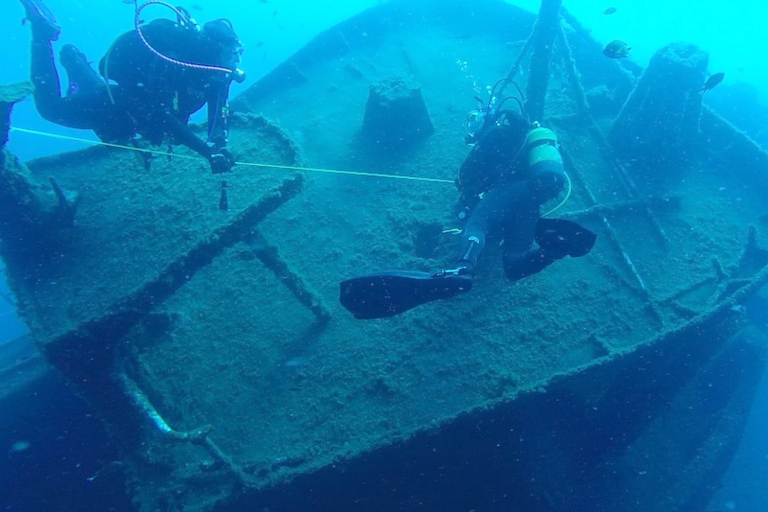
x: 221, y: 161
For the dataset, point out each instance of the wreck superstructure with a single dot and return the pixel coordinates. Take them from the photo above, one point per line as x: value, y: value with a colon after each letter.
x: 212, y: 341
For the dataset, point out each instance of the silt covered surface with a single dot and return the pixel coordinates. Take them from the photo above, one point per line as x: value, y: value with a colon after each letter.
x: 234, y: 349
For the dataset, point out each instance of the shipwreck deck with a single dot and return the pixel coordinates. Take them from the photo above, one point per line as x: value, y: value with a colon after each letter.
x: 293, y: 388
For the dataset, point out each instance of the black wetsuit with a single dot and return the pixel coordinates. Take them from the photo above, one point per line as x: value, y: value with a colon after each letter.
x: 152, y: 98
x: 503, y: 194
x: 497, y: 170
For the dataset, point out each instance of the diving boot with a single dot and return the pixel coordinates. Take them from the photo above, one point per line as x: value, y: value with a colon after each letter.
x: 44, y: 24
x: 81, y: 76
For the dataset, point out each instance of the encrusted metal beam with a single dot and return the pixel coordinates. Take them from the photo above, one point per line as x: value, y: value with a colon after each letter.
x: 543, y: 40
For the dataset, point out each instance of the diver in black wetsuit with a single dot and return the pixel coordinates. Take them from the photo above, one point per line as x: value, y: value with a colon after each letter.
x: 162, y: 74
x: 513, y: 169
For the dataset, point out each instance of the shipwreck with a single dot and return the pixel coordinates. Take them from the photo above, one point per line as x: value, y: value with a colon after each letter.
x: 200, y: 319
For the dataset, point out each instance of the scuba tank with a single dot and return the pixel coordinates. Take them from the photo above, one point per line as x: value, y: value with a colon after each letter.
x: 545, y: 163
x: 541, y: 145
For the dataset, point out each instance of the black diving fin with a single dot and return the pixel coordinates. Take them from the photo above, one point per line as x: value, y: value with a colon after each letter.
x: 385, y: 294
x: 562, y: 238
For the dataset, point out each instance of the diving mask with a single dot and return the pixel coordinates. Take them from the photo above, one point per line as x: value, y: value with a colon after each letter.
x: 474, y: 124
x: 490, y: 112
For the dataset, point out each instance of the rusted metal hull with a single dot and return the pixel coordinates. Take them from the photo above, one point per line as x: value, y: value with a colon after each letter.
x: 214, y: 342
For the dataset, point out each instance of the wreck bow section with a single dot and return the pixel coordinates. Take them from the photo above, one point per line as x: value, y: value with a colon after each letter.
x: 208, y: 330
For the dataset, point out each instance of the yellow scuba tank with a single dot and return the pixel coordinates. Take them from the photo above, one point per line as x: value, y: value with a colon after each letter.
x: 545, y: 166
x: 541, y: 145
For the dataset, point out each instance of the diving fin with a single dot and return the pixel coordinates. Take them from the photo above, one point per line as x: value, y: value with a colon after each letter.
x: 385, y: 294
x: 560, y: 238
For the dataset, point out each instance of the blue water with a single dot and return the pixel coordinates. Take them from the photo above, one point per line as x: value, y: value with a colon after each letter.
x: 274, y: 31
x: 732, y: 32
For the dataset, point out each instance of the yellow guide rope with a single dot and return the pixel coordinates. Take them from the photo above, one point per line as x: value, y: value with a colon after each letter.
x: 275, y: 166
x: 248, y: 164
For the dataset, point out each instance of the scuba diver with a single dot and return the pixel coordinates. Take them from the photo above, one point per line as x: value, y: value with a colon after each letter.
x: 163, y: 72
x: 513, y: 169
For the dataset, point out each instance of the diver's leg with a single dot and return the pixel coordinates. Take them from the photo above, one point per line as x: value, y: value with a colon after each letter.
x: 75, y: 112
x: 502, y: 206
x: 80, y: 111
x: 42, y: 67
x: 472, y: 239
x: 41, y: 18
x: 82, y: 78
x: 470, y: 246
x: 44, y: 76
x: 556, y: 239
x: 517, y: 223
x: 90, y: 109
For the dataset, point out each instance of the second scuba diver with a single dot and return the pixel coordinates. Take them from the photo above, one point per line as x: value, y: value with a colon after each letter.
x: 164, y: 71
x: 513, y: 168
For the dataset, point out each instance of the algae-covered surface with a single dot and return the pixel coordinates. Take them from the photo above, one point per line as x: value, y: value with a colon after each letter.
x: 132, y: 222
x: 231, y: 348
x: 11, y: 93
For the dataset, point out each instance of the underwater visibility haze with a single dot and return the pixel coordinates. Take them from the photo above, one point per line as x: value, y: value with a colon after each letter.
x: 365, y: 255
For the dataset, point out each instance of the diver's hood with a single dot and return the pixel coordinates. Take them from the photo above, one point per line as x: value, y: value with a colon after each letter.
x: 220, y: 33
x: 477, y: 124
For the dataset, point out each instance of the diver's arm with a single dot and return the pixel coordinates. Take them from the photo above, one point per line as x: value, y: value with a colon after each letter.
x: 218, y: 125
x: 182, y: 134
x: 220, y: 159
